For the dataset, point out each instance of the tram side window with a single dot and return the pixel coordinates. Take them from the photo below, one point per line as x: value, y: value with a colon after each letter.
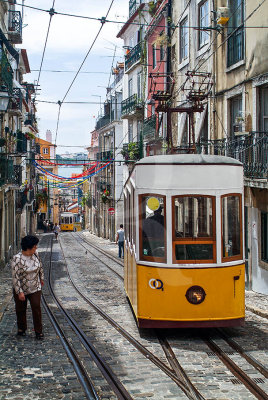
x: 231, y: 226
x: 194, y: 231
x: 152, y: 225
x: 126, y: 215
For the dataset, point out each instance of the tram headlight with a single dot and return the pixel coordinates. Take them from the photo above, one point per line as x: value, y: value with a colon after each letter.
x: 195, y: 295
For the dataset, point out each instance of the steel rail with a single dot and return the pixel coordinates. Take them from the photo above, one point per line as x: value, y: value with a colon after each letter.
x: 172, y: 359
x: 142, y: 349
x: 236, y: 370
x: 251, y: 360
x: 80, y: 371
x: 107, y: 372
x: 107, y: 254
x: 101, y: 251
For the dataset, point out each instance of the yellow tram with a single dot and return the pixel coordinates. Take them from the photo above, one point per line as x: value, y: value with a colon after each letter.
x: 184, y: 256
x: 69, y: 222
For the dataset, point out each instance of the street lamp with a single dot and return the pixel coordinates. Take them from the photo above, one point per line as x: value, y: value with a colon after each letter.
x: 4, y: 99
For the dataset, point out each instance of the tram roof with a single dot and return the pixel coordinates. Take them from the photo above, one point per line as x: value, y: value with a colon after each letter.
x: 188, y: 159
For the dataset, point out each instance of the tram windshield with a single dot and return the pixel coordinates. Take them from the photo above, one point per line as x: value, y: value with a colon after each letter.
x: 193, y: 229
x: 153, y: 226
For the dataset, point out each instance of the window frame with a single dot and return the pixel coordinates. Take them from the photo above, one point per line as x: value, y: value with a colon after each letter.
x: 183, y: 55
x: 240, y: 255
x: 200, y: 25
x: 143, y: 257
x: 154, y: 56
x: 203, y: 240
x: 233, y: 33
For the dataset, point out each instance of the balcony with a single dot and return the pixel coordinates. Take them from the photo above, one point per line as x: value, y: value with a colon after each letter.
x: 133, y: 5
x: 105, y: 120
x: 133, y: 56
x: 6, y: 72
x: 21, y: 143
x: 149, y: 127
x: 30, y: 119
x: 132, y: 106
x: 105, y: 155
x: 250, y: 149
x: 15, y: 27
x: 15, y: 106
x: 9, y: 173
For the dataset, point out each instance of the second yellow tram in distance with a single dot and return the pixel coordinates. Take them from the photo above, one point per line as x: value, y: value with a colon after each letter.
x: 69, y: 222
x: 184, y: 257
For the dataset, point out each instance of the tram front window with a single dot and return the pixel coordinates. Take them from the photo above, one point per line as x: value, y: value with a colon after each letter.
x: 153, y: 226
x: 193, y: 229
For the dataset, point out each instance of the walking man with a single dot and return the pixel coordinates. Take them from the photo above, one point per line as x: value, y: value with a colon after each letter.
x: 28, y: 279
x: 120, y: 240
x: 56, y: 231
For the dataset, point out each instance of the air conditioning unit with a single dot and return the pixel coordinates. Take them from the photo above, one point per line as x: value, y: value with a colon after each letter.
x: 222, y: 15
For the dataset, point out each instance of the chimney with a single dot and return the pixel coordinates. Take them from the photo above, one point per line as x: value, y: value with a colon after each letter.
x: 48, y: 136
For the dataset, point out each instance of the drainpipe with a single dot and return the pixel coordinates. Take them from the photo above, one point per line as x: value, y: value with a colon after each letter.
x: 214, y: 76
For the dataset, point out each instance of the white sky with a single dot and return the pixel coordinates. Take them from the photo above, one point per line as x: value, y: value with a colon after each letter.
x: 68, y: 42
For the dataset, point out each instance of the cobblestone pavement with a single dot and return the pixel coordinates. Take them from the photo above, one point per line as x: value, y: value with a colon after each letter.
x: 35, y: 370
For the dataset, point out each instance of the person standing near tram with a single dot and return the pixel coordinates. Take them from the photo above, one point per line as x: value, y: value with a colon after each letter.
x: 120, y: 237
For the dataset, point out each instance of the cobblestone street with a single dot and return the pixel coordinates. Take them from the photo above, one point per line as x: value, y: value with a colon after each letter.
x: 32, y: 369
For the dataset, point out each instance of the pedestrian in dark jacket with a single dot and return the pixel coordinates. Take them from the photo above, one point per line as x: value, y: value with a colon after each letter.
x: 28, y: 279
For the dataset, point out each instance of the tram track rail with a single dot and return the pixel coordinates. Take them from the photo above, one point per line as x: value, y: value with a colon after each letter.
x: 236, y: 370
x: 174, y: 373
x: 85, y: 381
x: 221, y: 354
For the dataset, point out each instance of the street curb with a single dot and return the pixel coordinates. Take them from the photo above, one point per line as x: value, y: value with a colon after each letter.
x: 257, y: 311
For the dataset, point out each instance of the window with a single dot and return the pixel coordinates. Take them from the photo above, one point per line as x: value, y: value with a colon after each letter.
x: 152, y: 227
x: 235, y: 44
x: 130, y: 131
x: 203, y: 22
x: 236, y: 113
x: 231, y: 227
x: 264, y: 237
x: 139, y: 85
x: 154, y: 55
x: 184, y: 40
x: 263, y: 123
x: 130, y: 87
x: 45, y: 150
x: 194, y: 238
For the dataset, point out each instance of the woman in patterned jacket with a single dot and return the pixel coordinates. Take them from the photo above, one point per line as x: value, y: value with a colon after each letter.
x: 28, y: 279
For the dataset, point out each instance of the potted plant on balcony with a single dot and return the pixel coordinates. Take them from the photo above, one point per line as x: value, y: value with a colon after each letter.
x: 105, y: 196
x: 131, y: 153
x: 86, y: 200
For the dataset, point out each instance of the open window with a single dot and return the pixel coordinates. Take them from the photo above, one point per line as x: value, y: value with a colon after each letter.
x: 194, y: 227
x: 231, y: 227
x: 152, y: 227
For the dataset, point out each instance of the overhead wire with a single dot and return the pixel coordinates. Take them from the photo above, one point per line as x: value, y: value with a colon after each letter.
x: 51, y: 13
x: 79, y: 69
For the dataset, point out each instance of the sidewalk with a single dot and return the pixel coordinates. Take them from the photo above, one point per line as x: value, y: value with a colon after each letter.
x: 255, y: 302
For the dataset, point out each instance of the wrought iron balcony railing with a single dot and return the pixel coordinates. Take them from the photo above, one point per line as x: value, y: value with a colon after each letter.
x: 105, y: 155
x: 15, y: 27
x: 131, y: 105
x: 16, y: 100
x: 149, y: 127
x: 251, y: 149
x: 134, y: 55
x: 105, y: 120
x: 132, y: 7
x: 30, y: 119
x: 6, y: 72
x: 9, y: 173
